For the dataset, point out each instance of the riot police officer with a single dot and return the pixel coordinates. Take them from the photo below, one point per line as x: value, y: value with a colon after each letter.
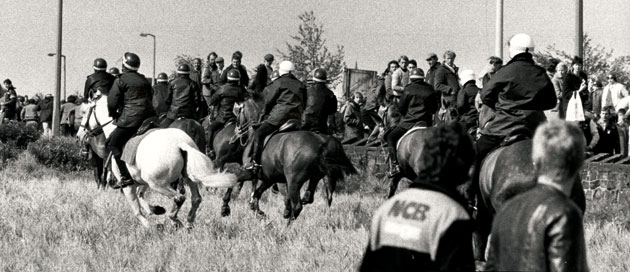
x: 100, y: 80
x: 182, y: 97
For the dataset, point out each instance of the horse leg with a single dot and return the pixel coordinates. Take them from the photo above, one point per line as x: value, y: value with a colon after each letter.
x: 132, y: 199
x: 195, y: 201
x: 253, y: 203
x: 394, y: 186
x: 309, y: 194
x: 178, y: 199
x: 481, y: 233
x: 293, y: 193
x: 149, y: 209
x: 225, y: 209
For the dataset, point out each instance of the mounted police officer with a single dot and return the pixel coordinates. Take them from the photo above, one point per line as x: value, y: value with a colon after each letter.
x: 183, y: 94
x: 100, y: 80
x: 161, y: 95
x: 284, y: 101
x: 516, y: 95
x: 320, y: 103
x: 129, y: 103
x: 223, y: 100
x: 417, y: 105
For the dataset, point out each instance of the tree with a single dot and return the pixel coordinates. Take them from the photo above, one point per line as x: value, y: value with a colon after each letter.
x: 181, y: 59
x: 598, y: 60
x: 310, y: 51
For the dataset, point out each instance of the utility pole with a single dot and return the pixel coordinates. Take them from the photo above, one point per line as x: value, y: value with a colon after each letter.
x: 579, y: 31
x: 499, y: 30
x: 56, y: 117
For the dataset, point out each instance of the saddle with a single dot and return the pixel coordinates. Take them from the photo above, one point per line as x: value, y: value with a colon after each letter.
x: 407, y: 133
x: 129, y: 151
x: 148, y: 124
x: 517, y: 135
x: 288, y: 126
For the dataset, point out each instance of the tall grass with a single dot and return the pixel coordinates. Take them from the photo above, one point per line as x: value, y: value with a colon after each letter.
x: 53, y: 221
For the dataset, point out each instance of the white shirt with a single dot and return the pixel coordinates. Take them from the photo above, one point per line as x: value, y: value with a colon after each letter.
x: 617, y: 90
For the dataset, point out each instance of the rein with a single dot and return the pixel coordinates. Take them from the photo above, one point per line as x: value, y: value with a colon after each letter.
x: 98, y: 130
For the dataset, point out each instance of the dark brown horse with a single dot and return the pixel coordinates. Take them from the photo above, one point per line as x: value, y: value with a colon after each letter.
x: 506, y: 172
x: 408, y: 152
x: 296, y: 157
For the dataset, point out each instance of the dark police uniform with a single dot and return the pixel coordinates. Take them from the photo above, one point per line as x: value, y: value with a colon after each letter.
x: 320, y: 103
x: 99, y: 80
x: 223, y: 100
x: 184, y: 94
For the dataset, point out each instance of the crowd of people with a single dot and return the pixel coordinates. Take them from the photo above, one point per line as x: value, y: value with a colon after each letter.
x: 514, y: 99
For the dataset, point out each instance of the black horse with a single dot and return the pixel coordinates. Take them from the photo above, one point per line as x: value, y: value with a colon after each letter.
x: 506, y: 172
x: 408, y: 152
x: 296, y: 157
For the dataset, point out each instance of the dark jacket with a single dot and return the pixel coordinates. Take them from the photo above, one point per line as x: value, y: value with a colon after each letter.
x: 161, y: 96
x: 486, y: 78
x: 430, y: 76
x: 285, y: 100
x: 99, y: 80
x: 375, y: 95
x: 224, y: 100
x: 519, y: 93
x: 466, y: 104
x: 183, y: 95
x: 539, y: 230
x: 320, y: 103
x: 129, y: 100
x: 446, y: 82
x: 425, y: 228
x: 260, y: 81
x: 46, y: 109
x: 596, y: 98
x: 417, y: 105
x: 241, y: 69
x: 210, y: 81
x: 352, y: 119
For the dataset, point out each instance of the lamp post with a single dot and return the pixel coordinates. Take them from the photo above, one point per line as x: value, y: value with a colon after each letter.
x: 56, y: 119
x: 64, y: 71
x: 153, y: 36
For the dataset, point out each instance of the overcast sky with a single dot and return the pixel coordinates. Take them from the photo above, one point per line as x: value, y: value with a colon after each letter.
x: 373, y: 32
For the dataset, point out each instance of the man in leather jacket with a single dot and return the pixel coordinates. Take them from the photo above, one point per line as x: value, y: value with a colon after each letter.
x: 223, y: 100
x: 182, y: 96
x: 541, y: 229
x: 320, y: 103
x: 427, y: 227
x: 129, y: 103
x: 100, y: 80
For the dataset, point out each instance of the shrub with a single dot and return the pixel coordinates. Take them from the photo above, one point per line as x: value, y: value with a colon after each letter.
x: 8, y: 152
x: 17, y: 134
x: 59, y: 153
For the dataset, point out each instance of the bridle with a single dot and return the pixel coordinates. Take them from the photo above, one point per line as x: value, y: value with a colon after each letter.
x: 98, y: 130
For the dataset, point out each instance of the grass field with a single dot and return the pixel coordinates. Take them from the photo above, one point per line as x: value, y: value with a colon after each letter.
x: 52, y: 221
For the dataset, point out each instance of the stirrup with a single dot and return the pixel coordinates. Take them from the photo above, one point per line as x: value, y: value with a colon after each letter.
x: 253, y: 166
x: 122, y: 183
x: 211, y: 154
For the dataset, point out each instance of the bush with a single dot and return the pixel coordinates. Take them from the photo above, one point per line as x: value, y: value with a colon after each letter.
x: 17, y: 134
x: 8, y: 152
x: 59, y: 153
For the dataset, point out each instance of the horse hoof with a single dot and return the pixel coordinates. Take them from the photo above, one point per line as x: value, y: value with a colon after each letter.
x: 160, y: 227
x: 157, y: 210
x: 253, y: 206
x: 177, y: 224
x: 260, y: 214
x: 225, y: 211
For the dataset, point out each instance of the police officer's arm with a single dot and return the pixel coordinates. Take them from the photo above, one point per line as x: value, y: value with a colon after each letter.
x: 490, y: 92
x: 216, y: 97
x: 86, y: 90
x: 270, y: 99
x: 545, y: 98
x: 244, y: 76
x: 331, y: 105
x: 114, y: 99
x: 565, y: 251
x: 455, y: 252
x: 169, y: 98
x: 403, y: 103
x: 440, y: 82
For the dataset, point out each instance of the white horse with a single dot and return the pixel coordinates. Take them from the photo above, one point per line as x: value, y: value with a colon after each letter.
x: 163, y: 157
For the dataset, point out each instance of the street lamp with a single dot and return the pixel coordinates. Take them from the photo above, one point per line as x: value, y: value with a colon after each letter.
x: 64, y: 72
x: 153, y: 36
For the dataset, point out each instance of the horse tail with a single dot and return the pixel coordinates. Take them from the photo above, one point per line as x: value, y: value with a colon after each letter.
x: 334, y: 159
x: 199, y: 168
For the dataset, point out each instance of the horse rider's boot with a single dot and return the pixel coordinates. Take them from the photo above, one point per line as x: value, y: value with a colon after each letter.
x: 85, y: 151
x: 394, y: 169
x: 211, y: 154
x: 125, y: 177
